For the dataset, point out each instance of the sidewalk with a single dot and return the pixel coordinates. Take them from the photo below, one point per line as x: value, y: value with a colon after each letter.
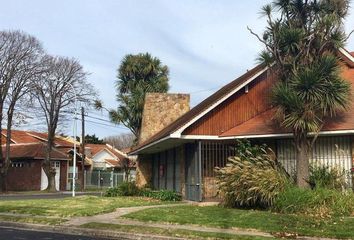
x: 117, y: 218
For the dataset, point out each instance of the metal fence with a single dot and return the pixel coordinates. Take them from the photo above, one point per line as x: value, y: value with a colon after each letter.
x: 102, y: 179
x: 327, y: 151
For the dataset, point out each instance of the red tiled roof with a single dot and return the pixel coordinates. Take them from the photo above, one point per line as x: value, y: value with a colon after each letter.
x: 96, y: 148
x: 20, y: 136
x: 43, y: 137
x: 113, y: 162
x: 33, y: 151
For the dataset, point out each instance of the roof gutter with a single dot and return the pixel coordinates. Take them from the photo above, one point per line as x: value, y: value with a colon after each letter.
x: 347, y: 54
x: 209, y: 137
x: 136, y: 151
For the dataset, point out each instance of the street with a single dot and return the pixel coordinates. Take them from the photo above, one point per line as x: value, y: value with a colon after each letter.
x: 19, y: 196
x: 9, y: 233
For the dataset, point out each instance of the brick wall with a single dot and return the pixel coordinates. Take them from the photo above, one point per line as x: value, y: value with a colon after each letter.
x: 26, y: 178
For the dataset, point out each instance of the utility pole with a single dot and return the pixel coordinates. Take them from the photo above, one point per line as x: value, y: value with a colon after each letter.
x: 83, y: 147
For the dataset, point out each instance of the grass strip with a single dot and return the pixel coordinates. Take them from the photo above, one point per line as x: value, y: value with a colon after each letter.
x: 78, y: 206
x: 168, y: 232
x: 215, y: 216
x: 35, y: 220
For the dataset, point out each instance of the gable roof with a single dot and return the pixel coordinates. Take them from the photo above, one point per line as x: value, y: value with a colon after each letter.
x: 33, y: 151
x: 175, y: 129
x: 22, y: 137
x: 202, y: 108
x: 97, y: 148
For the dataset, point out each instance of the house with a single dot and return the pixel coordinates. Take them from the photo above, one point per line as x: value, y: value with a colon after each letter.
x: 27, y: 153
x: 107, y: 157
x: 180, y: 148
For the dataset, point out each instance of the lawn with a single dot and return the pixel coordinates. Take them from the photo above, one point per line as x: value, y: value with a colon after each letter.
x: 69, y: 207
x: 169, y: 232
x: 214, y: 216
x: 28, y: 219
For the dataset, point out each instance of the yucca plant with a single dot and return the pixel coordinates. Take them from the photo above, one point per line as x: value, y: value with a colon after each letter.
x: 251, y: 178
x: 301, y: 41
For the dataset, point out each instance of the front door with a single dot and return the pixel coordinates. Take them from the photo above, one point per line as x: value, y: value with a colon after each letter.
x: 193, y: 172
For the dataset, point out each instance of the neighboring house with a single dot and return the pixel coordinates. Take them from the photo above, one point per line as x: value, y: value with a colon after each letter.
x: 107, y: 157
x: 27, y: 152
x: 179, y: 150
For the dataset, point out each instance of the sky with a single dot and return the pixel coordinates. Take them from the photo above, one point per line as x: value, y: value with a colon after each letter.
x: 205, y: 43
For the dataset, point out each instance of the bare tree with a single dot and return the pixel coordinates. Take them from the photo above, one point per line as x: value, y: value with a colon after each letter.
x: 124, y: 140
x: 20, y: 55
x: 55, y: 92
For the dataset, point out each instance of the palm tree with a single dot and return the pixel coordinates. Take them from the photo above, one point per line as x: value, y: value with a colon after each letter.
x: 301, y: 46
x: 137, y: 75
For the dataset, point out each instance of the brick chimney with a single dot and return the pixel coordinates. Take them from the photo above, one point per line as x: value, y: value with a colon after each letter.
x: 161, y: 109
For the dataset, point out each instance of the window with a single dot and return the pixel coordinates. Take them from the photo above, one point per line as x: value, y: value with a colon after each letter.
x: 70, y: 173
x: 17, y: 164
x: 55, y: 164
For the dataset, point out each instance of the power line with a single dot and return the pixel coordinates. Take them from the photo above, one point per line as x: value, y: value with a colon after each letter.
x: 101, y: 119
x: 103, y: 124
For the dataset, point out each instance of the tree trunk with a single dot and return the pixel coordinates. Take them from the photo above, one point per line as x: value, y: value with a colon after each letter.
x: 6, y: 162
x: 47, y: 168
x: 2, y: 175
x: 302, y: 162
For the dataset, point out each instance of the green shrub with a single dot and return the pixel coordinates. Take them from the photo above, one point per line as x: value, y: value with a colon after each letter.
x: 251, y: 178
x: 112, y: 192
x: 319, y: 202
x: 327, y: 177
x: 123, y: 189
x: 163, y: 195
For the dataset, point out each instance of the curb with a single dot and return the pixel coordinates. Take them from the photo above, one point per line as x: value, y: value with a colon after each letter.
x: 77, y: 231
x: 83, y: 231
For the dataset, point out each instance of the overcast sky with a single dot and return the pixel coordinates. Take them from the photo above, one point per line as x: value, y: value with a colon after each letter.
x: 204, y: 43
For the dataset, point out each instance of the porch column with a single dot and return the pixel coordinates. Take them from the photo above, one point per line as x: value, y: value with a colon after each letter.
x: 143, y: 170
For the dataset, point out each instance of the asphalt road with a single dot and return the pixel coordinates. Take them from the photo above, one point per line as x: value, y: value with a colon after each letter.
x: 8, y: 233
x: 9, y: 197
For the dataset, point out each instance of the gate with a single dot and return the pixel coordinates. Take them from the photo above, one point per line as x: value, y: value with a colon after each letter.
x: 193, y: 172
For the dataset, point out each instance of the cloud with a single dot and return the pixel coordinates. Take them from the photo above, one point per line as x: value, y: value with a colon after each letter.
x: 205, y: 43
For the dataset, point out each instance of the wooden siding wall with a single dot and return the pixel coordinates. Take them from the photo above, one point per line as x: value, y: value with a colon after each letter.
x: 237, y: 109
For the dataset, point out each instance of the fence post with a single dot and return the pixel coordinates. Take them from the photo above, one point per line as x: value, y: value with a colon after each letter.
x: 85, y: 180
x: 99, y: 178
x: 111, y: 178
